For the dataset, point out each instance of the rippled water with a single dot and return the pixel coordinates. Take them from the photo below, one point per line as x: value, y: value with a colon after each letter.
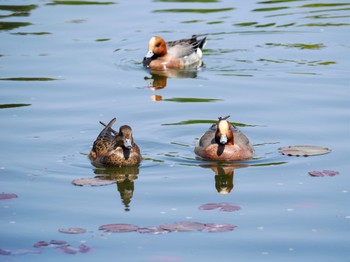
x: 279, y: 68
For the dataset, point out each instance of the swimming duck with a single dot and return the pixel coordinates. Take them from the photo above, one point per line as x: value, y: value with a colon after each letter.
x: 224, y: 142
x: 113, y: 148
x: 178, y: 54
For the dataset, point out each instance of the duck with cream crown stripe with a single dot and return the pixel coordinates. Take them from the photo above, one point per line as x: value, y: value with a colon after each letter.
x: 178, y: 54
x: 224, y: 142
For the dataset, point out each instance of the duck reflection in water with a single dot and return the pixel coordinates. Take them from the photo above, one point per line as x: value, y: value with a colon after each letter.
x: 159, y: 79
x: 124, y: 177
x: 224, y: 175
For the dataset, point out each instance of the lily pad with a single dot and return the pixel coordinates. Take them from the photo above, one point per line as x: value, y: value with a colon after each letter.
x: 41, y: 244
x: 211, y: 227
x: 304, y: 150
x: 119, y: 228
x: 226, y: 207
x: 323, y: 173
x: 153, y: 230
x: 75, y: 230
x: 183, y: 226
x: 19, y: 251
x: 4, y: 196
x: 92, y: 181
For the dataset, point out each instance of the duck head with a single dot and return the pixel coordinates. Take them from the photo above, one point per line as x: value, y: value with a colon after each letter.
x: 223, y: 134
x: 125, y: 137
x: 156, y: 48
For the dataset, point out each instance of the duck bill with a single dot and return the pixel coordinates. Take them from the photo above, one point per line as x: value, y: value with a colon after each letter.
x: 223, y: 139
x: 127, y: 144
x: 148, y: 58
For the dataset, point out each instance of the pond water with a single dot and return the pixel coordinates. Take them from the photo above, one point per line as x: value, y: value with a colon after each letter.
x: 279, y: 68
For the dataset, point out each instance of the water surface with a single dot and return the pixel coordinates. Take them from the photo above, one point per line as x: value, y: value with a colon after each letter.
x: 279, y: 68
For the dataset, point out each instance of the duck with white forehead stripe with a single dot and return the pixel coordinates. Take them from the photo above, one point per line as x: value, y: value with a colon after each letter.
x: 177, y: 54
x: 224, y: 142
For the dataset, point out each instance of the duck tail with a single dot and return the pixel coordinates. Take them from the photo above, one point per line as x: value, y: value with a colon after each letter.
x: 198, y: 43
x: 108, y: 127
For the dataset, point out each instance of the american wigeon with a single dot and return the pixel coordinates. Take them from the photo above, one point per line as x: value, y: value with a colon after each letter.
x: 224, y: 142
x: 178, y: 54
x: 113, y: 148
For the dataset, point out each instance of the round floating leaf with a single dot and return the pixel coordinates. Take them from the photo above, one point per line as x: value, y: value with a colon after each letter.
x: 68, y: 250
x: 323, y: 173
x: 152, y: 230
x: 183, y: 226
x: 84, y: 248
x: 58, y: 242
x: 19, y: 251
x: 210, y: 206
x: 221, y: 206
x: 4, y: 196
x: 304, y: 150
x: 229, y: 208
x: 75, y: 230
x: 118, y: 228
x: 41, y: 244
x: 211, y: 227
x: 92, y: 181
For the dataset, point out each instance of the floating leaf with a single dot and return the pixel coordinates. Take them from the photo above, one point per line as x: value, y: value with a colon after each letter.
x: 92, y: 181
x: 68, y: 250
x: 58, y: 242
x: 120, y: 228
x: 19, y: 251
x: 303, y: 150
x: 211, y: 227
x: 84, y: 248
x: 154, y: 230
x: 4, y: 196
x: 75, y: 230
x: 63, y: 246
x: 183, y: 226
x: 323, y: 173
x: 221, y: 206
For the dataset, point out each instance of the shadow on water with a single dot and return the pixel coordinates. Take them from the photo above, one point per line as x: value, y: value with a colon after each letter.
x: 3, y: 106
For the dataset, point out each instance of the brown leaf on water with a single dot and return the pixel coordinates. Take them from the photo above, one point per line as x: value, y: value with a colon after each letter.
x: 304, y: 150
x: 323, y: 173
x: 4, y: 196
x: 72, y: 230
x: 226, y: 207
x: 92, y: 181
x: 119, y: 228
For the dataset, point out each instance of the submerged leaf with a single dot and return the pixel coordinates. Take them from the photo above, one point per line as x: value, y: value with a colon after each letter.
x: 183, y: 226
x: 120, y: 228
x: 211, y: 227
x: 323, y: 173
x: 4, y: 196
x: 76, y: 230
x: 154, y: 230
x: 303, y: 150
x: 221, y: 206
x: 19, y: 251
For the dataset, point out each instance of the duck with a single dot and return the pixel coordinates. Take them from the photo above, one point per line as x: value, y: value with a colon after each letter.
x: 112, y: 148
x: 224, y: 142
x: 179, y: 54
